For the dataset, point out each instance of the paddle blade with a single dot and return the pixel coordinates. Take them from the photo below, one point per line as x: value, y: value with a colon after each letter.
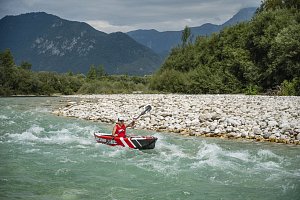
x: 147, y: 109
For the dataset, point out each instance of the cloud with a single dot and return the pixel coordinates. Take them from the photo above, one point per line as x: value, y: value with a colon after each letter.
x: 125, y: 15
x: 105, y: 26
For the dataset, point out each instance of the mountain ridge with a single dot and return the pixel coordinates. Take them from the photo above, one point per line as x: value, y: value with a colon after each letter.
x: 51, y: 43
x: 162, y: 42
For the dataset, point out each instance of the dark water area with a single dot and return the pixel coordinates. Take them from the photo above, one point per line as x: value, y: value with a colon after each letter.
x: 44, y: 156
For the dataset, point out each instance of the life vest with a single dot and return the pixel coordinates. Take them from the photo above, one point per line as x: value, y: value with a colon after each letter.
x: 121, y: 130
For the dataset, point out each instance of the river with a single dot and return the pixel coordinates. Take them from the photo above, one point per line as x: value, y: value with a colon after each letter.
x: 44, y: 156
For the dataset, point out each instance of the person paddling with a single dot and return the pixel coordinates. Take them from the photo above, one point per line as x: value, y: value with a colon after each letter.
x: 120, y: 127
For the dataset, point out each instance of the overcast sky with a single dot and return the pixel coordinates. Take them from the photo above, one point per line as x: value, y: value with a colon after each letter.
x: 126, y: 15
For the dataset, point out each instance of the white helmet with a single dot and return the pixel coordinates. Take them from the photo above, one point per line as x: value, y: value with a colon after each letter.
x: 120, y: 118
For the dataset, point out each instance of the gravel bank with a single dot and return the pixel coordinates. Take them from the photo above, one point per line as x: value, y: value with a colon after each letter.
x: 260, y: 118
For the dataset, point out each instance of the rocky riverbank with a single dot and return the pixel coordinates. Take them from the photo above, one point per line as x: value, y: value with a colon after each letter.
x: 260, y: 118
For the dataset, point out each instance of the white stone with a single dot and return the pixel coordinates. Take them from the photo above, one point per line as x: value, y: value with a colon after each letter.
x: 233, y: 122
x: 272, y: 123
x: 217, y: 131
x: 277, y: 134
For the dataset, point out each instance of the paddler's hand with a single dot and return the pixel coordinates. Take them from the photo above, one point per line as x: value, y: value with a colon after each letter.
x: 133, y: 121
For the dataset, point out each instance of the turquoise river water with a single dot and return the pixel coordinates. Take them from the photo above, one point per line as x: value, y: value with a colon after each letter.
x: 49, y: 157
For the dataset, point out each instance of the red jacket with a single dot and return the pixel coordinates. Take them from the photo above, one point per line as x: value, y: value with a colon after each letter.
x: 121, y: 130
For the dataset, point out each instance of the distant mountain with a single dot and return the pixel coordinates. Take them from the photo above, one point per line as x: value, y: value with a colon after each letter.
x: 162, y: 42
x: 244, y: 14
x: 54, y: 44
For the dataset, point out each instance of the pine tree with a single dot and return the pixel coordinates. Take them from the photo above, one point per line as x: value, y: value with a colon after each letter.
x: 92, y: 73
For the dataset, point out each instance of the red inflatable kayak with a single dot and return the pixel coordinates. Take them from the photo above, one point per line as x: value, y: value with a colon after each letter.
x: 134, y: 142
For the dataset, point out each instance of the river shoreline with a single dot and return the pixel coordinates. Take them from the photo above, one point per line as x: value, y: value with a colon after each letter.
x: 260, y: 118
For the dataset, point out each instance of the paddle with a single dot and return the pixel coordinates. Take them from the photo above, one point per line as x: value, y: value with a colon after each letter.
x: 147, y: 109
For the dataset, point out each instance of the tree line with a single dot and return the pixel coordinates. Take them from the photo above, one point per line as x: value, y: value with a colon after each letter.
x: 259, y: 56
x: 20, y: 80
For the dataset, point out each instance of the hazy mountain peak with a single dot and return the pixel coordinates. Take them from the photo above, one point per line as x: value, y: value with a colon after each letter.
x: 244, y: 14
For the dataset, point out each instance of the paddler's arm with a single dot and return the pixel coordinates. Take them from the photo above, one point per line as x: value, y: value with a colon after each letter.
x: 114, y: 131
x: 131, y: 123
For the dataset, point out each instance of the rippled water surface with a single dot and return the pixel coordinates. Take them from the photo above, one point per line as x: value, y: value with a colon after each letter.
x: 48, y: 157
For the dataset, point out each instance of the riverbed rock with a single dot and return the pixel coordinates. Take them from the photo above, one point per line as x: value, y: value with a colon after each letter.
x: 266, y: 135
x: 244, y: 134
x: 272, y: 123
x: 272, y: 138
x: 233, y: 122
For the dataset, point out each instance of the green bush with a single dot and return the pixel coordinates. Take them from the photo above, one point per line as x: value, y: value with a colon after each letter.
x: 169, y: 80
x: 252, y: 90
x: 290, y: 88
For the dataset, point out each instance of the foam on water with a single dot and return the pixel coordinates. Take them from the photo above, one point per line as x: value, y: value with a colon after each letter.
x: 268, y: 166
x: 81, y: 146
x: 62, y: 136
x: 158, y: 166
x: 67, y: 139
x: 8, y: 107
x: 62, y: 171
x: 209, y: 155
x: 164, y: 159
x: 170, y: 151
x: 11, y: 122
x: 28, y: 135
x: 3, y: 117
x: 207, y: 151
x: 159, y: 136
x: 35, y: 129
x: 25, y: 136
x: 74, y: 194
x: 267, y: 154
x: 65, y: 159
x: 60, y: 131
x: 31, y: 150
x: 241, y: 155
x: 213, y: 155
x: 114, y: 152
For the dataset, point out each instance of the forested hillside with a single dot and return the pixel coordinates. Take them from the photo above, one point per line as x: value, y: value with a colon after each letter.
x: 252, y: 57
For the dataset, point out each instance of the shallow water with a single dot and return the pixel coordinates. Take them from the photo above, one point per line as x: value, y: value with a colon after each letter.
x: 48, y: 157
